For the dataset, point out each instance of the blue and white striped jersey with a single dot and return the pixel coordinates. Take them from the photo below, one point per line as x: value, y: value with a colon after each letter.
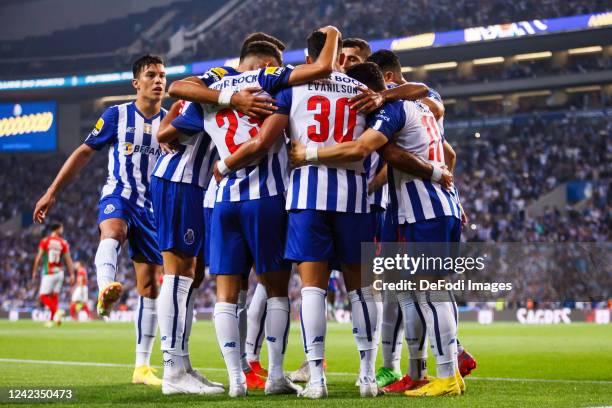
x: 211, y: 194
x: 192, y: 163
x: 229, y: 128
x: 319, y: 115
x: 132, y: 153
x: 373, y: 164
x: 413, y: 127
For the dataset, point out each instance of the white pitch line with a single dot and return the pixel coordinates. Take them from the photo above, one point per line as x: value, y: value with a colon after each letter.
x: 335, y: 374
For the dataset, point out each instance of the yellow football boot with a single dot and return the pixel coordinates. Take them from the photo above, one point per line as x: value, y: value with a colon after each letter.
x: 109, y: 295
x: 437, y: 387
x: 146, y: 375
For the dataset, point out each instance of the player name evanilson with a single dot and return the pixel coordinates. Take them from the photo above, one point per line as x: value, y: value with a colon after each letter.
x: 332, y: 87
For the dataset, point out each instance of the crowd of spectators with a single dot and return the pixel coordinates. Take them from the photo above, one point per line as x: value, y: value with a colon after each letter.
x: 77, y: 50
x: 394, y: 18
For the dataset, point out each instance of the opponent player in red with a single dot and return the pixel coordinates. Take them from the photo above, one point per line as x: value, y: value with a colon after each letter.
x: 54, y: 251
x: 80, y: 293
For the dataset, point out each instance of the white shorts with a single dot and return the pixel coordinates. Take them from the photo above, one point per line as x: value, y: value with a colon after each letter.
x: 79, y: 294
x: 51, y: 283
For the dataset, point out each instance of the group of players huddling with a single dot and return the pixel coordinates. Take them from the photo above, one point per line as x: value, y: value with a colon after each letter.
x: 262, y: 166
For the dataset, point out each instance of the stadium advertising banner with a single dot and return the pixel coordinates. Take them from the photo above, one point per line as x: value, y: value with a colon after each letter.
x: 28, y: 127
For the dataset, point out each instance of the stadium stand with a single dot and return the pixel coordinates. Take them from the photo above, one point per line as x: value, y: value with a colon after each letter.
x: 181, y: 29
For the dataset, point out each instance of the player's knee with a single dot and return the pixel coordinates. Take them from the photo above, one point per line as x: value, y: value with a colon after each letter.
x: 150, y: 291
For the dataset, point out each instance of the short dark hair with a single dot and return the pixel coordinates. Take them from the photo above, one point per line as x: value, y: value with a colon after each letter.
x: 316, y: 41
x: 354, y: 42
x: 387, y: 61
x: 264, y: 48
x: 54, y: 226
x: 261, y: 36
x: 369, y: 74
x: 143, y: 62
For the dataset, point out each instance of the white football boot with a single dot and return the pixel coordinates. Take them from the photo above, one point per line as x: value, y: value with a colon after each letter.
x: 281, y: 386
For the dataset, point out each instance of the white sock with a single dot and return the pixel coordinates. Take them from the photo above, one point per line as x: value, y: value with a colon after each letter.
x: 392, y: 333
x: 106, y: 261
x: 314, y: 328
x: 364, y: 318
x: 256, y: 316
x: 171, y: 311
x: 441, y: 330
x: 416, y: 335
x: 187, y: 332
x: 173, y: 365
x: 242, y: 326
x: 146, y: 329
x: 277, y: 331
x: 228, y: 336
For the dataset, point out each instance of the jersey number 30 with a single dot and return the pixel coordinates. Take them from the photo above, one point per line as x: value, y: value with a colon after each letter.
x: 320, y: 132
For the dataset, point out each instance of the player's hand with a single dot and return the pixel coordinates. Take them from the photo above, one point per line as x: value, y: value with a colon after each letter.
x: 170, y: 148
x: 464, y: 218
x: 447, y: 179
x: 217, y: 173
x: 329, y: 29
x: 42, y: 207
x: 253, y: 105
x: 297, y: 154
x: 367, y: 101
x: 71, y: 280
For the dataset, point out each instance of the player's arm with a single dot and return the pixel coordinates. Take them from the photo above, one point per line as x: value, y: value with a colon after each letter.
x: 369, y: 100
x: 167, y: 134
x: 255, y: 148
x: 355, y: 150
x: 450, y: 157
x: 36, y: 265
x: 182, y: 121
x: 324, y: 65
x: 69, y: 267
x: 71, y: 168
x: 193, y: 89
x: 409, y: 163
x: 379, y: 180
x: 104, y: 133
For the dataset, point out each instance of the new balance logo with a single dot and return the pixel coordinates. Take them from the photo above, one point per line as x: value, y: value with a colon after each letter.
x: 319, y: 339
x: 355, y: 330
x: 230, y: 344
x: 272, y: 339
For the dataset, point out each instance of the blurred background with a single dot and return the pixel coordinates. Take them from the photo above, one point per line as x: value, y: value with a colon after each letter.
x: 527, y: 87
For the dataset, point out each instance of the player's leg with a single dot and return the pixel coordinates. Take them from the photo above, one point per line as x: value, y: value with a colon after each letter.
x: 392, y: 335
x: 350, y: 230
x: 253, y: 380
x: 189, y: 317
x: 58, y: 281
x: 437, y: 308
x: 264, y: 222
x: 113, y: 233
x: 147, y: 278
x: 256, y: 316
x: 310, y: 243
x: 179, y: 235
x: 227, y: 238
x: 45, y: 296
x: 416, y: 338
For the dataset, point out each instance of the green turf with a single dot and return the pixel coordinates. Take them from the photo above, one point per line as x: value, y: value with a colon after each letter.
x: 577, y: 358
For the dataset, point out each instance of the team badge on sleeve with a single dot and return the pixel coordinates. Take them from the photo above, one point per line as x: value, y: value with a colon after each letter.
x: 277, y: 71
x: 98, y: 127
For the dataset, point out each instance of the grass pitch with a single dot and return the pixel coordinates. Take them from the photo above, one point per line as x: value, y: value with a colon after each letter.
x: 524, y: 366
